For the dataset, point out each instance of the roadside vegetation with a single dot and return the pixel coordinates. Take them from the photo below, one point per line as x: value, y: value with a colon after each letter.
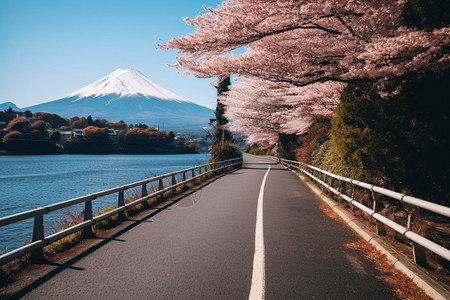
x: 223, y: 147
x: 256, y: 149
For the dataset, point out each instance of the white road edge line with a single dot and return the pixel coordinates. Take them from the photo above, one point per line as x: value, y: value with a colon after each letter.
x: 257, y: 289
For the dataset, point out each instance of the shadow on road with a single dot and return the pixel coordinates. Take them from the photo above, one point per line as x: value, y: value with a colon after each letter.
x: 103, y: 241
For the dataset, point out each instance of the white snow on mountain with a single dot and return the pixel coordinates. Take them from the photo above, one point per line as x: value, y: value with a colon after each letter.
x: 125, y: 82
x: 128, y: 95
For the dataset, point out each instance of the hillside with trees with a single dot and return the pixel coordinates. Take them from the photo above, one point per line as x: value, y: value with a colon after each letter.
x: 45, y: 133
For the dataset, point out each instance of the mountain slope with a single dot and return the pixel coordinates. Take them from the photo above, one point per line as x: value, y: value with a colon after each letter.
x: 128, y: 95
x: 7, y: 105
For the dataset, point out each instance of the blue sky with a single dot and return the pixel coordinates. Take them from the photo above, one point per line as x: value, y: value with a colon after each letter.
x: 49, y: 49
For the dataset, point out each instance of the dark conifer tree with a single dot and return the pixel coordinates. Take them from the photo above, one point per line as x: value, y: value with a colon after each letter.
x: 90, y: 122
x: 220, y: 134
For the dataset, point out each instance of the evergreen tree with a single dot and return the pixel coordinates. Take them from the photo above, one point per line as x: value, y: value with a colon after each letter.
x: 220, y: 134
x: 222, y: 147
x: 402, y: 140
x: 90, y: 122
x: 286, y: 145
x: 426, y: 14
x: 28, y: 113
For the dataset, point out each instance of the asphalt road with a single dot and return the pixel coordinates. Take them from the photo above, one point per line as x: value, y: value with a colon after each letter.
x: 203, y: 247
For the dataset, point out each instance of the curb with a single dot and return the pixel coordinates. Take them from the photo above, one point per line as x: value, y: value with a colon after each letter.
x: 430, y: 287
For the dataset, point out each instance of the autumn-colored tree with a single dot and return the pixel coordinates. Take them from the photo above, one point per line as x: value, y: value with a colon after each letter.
x: 41, y: 127
x: 13, y: 135
x: 155, y: 136
x: 317, y: 133
x: 119, y: 125
x: 55, y: 120
x: 121, y: 136
x: 19, y: 124
x: 96, y: 134
x: 78, y: 123
x: 136, y: 136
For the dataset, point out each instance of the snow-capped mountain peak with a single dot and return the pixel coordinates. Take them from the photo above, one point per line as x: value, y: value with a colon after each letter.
x: 125, y: 82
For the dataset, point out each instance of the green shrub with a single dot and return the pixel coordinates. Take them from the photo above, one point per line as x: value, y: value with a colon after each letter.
x: 180, y: 189
x: 167, y: 195
x: 63, y: 244
x: 224, y: 151
x: 154, y: 200
x: 132, y: 211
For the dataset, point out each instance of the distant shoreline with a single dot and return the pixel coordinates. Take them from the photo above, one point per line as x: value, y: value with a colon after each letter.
x: 5, y: 153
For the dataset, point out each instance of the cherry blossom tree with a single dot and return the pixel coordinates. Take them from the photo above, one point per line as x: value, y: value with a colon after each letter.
x: 262, y: 110
x: 304, y: 42
x: 296, y: 53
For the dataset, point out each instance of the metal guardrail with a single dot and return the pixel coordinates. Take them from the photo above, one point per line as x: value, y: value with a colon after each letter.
x: 418, y: 242
x: 39, y: 240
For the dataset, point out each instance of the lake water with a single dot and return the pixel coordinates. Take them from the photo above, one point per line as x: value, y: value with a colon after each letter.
x: 31, y: 181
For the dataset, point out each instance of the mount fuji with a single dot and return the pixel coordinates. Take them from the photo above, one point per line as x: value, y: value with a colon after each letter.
x: 128, y: 95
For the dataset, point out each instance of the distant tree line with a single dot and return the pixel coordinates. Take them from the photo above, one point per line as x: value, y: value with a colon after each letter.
x: 38, y: 133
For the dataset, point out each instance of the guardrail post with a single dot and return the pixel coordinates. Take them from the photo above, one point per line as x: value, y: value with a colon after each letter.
x: 341, y: 191
x: 160, y: 184
x: 174, y: 180
x: 352, y: 207
x: 87, y: 232
x: 381, y: 230
x: 193, y: 173
x: 332, y: 180
x: 120, y: 203
x: 184, y: 176
x: 420, y: 257
x: 38, y: 234
x: 144, y: 193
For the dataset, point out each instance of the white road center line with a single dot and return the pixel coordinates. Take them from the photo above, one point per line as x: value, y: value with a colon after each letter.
x: 257, y: 289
